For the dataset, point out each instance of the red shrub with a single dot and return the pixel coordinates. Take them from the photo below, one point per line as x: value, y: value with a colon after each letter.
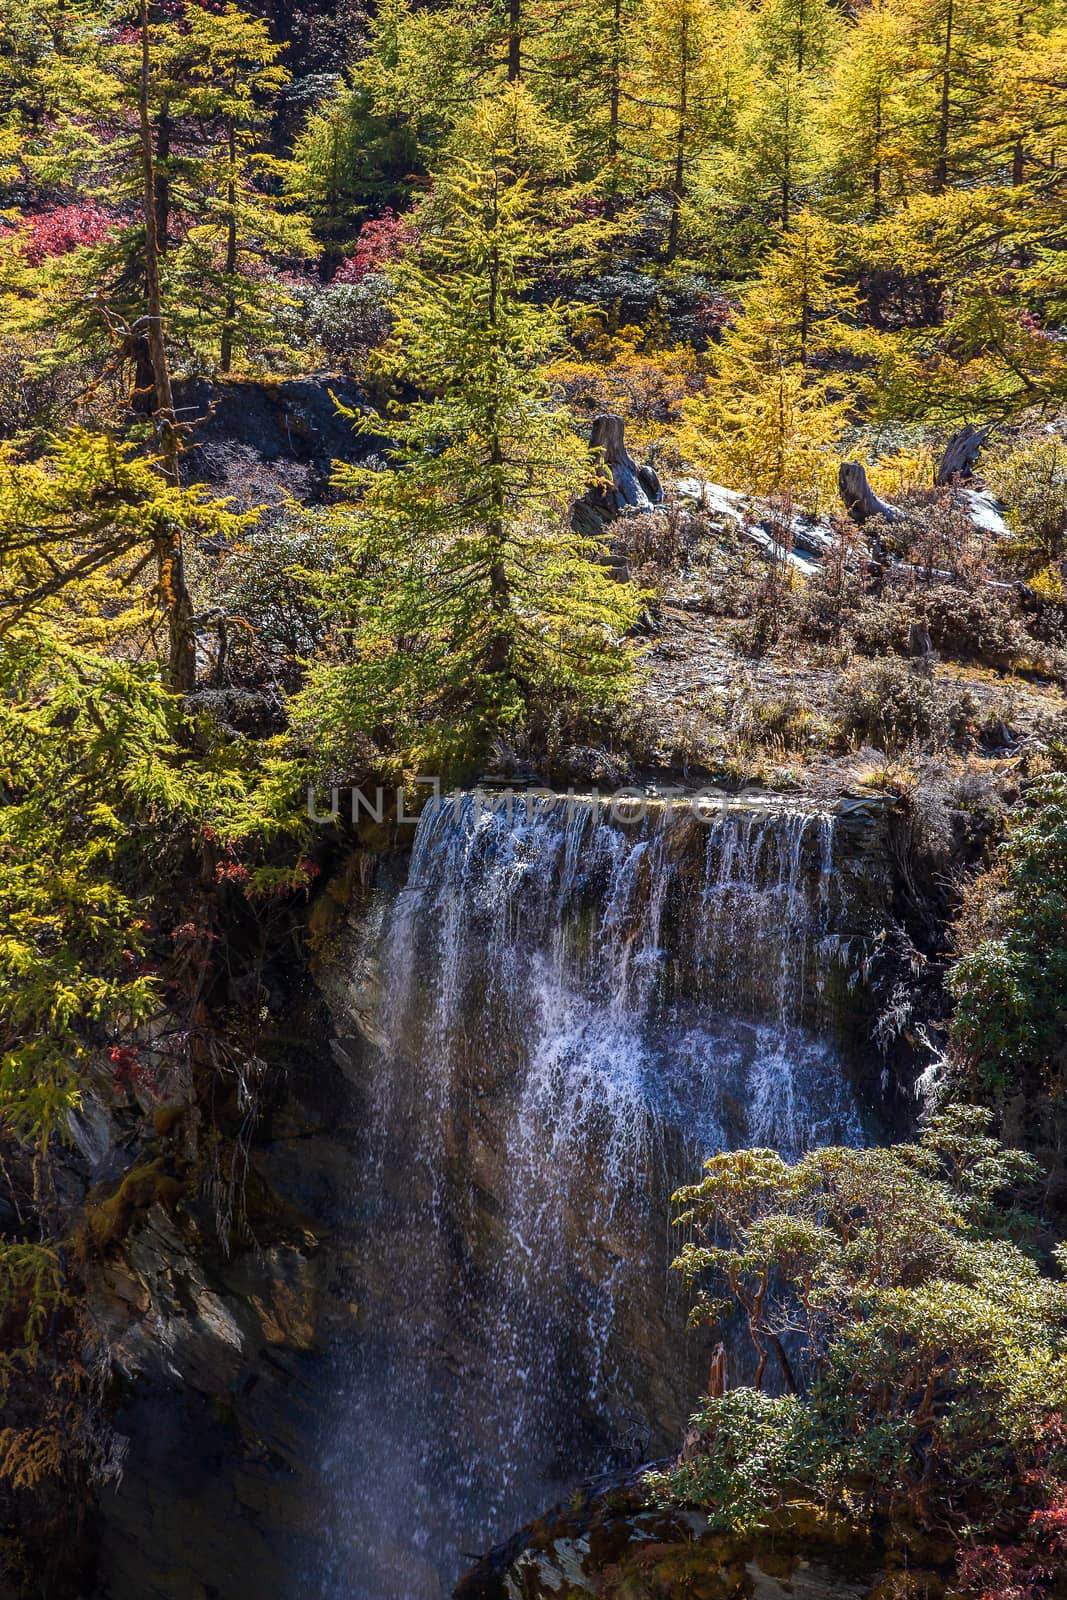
x: 64, y: 228
x: 385, y: 239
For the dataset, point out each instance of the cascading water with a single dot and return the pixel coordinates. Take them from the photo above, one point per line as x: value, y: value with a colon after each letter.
x: 576, y: 1010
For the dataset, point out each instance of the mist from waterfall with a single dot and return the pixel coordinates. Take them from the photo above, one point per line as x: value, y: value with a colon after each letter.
x: 577, y: 1010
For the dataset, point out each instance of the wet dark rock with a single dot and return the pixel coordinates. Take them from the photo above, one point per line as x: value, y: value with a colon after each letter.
x: 219, y: 1360
x: 261, y: 440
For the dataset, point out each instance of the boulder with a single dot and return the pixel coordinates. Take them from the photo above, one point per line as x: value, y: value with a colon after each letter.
x: 609, y: 1539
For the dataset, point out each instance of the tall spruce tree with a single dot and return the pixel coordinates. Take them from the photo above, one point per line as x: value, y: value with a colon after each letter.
x: 780, y: 140
x: 467, y: 599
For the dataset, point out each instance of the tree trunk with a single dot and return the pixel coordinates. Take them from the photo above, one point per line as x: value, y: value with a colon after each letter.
x: 630, y: 485
x: 788, y: 1375
x: 230, y: 265
x: 876, y: 172
x: 944, y: 111
x: 162, y: 179
x: 514, y: 40
x: 920, y: 645
x: 614, y: 103
x: 174, y: 596
x: 677, y: 192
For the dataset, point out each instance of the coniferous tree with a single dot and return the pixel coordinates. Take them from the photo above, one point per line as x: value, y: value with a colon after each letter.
x: 948, y: 88
x: 79, y: 532
x: 770, y: 418
x: 683, y: 92
x: 780, y: 139
x: 578, y: 61
x: 370, y: 146
x: 866, y: 116
x: 237, y: 222
x: 467, y: 598
x: 197, y: 89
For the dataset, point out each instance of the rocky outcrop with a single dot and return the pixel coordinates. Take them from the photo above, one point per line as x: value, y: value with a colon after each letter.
x: 260, y: 440
x: 780, y: 533
x: 220, y: 1341
x: 611, y: 1541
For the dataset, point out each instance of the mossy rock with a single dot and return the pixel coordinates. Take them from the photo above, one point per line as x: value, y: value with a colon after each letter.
x: 166, y: 1118
x: 108, y: 1219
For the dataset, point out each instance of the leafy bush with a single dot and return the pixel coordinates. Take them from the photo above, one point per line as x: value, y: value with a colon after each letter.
x: 892, y: 704
x: 922, y: 1351
x: 380, y: 241
x: 264, y: 584
x: 965, y: 624
x: 937, y: 534
x: 758, y: 1444
x: 1010, y: 982
x: 341, y: 320
x: 1032, y: 482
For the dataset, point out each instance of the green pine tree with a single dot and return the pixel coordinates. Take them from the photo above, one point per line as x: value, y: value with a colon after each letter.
x: 467, y: 600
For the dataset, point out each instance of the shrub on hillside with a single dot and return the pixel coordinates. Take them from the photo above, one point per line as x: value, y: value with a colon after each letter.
x: 265, y: 586
x: 938, y: 535
x: 894, y: 704
x: 1031, y: 480
x: 1010, y: 982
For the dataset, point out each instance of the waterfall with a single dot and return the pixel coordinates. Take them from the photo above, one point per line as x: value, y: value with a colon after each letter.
x: 576, y: 1010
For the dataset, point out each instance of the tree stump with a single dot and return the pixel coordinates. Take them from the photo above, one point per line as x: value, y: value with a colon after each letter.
x: 623, y: 484
x: 960, y: 454
x: 920, y: 645
x: 860, y: 500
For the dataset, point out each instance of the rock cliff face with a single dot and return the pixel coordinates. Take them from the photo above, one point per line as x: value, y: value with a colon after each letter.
x: 221, y: 1362
x: 259, y: 441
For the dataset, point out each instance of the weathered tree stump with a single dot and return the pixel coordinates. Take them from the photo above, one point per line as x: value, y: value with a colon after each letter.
x: 860, y: 500
x: 920, y: 645
x: 960, y: 454
x: 623, y: 484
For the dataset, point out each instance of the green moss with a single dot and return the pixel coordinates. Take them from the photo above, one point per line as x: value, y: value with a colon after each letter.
x: 329, y: 908
x: 166, y: 1118
x: 108, y: 1220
